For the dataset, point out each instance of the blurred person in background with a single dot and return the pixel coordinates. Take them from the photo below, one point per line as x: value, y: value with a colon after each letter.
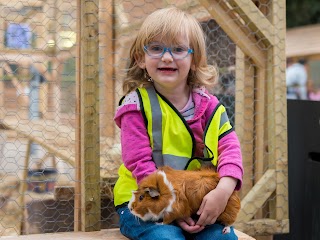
x: 296, y: 79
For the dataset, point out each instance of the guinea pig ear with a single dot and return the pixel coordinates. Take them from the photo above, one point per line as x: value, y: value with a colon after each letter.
x: 152, y: 192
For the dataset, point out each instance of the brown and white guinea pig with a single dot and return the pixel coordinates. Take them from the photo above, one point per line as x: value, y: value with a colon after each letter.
x: 169, y: 194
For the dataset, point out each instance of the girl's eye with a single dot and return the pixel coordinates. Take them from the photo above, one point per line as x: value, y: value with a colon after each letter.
x: 141, y: 198
x: 156, y: 48
x: 179, y: 49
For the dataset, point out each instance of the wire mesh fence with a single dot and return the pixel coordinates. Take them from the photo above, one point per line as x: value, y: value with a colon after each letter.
x: 40, y: 101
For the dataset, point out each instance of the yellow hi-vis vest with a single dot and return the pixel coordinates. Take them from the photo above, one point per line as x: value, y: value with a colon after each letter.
x: 172, y: 140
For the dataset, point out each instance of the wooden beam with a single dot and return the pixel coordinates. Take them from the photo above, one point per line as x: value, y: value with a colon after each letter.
x: 22, y: 56
x: 254, y: 19
x: 89, y: 116
x: 2, y: 87
x: 260, y: 161
x: 105, y: 234
x: 234, y: 32
x: 258, y: 195
x: 77, y: 188
x: 23, y: 186
x: 277, y: 110
x: 244, y: 120
x: 263, y: 227
x: 107, y: 63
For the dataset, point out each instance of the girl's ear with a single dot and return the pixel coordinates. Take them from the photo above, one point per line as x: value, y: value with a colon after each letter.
x: 140, y: 62
x: 193, y: 66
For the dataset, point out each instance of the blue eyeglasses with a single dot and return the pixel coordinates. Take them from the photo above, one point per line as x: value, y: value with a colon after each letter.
x: 157, y: 50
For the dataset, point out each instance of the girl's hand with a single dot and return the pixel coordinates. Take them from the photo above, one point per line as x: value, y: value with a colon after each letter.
x: 189, y: 225
x: 215, y: 202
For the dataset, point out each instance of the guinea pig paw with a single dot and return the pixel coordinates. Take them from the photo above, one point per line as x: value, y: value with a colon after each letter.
x: 226, y: 230
x: 159, y: 223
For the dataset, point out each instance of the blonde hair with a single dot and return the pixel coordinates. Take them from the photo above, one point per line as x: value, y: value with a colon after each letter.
x: 169, y: 24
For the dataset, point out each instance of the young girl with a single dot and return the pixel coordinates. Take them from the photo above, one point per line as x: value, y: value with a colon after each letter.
x: 167, y: 117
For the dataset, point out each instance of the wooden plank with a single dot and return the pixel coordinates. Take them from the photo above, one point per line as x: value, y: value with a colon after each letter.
x: 234, y: 32
x: 260, y: 161
x: 107, y: 52
x: 244, y: 109
x: 277, y: 114
x: 22, y: 56
x: 23, y: 187
x: 254, y: 19
x: 89, y: 116
x: 258, y: 195
x: 107, y: 234
x: 1, y: 93
x: 266, y: 226
x: 77, y: 197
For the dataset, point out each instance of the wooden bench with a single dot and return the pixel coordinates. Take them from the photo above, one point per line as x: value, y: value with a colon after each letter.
x: 108, y: 234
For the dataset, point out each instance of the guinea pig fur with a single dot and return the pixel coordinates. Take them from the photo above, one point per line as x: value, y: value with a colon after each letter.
x: 170, y: 194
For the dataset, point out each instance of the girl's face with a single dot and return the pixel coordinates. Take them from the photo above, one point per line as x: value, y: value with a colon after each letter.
x: 167, y: 71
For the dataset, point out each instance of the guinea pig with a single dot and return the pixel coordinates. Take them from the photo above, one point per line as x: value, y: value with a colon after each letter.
x: 169, y: 194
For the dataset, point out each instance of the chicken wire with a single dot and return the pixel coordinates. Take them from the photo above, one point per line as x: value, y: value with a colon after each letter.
x: 39, y: 111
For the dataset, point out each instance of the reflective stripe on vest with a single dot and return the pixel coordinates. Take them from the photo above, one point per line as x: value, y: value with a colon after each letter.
x: 172, y: 127
x: 220, y: 125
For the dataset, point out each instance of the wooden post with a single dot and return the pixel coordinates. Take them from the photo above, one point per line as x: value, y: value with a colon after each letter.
x: 277, y: 113
x: 77, y: 188
x: 2, y: 28
x: 89, y: 116
x: 23, y: 185
x: 107, y: 64
x: 1, y: 94
x: 244, y: 109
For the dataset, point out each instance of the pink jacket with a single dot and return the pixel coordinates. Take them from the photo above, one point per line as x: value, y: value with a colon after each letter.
x: 136, y: 149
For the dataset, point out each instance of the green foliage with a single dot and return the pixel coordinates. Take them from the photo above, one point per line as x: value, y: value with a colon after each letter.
x: 300, y: 13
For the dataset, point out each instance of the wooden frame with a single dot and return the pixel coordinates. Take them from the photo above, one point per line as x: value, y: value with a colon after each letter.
x: 267, y: 71
x: 259, y: 33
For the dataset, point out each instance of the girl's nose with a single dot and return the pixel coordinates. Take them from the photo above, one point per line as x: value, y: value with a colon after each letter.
x: 167, y: 57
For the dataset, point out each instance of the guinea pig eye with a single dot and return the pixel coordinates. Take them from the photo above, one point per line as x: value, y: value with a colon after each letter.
x: 141, y: 197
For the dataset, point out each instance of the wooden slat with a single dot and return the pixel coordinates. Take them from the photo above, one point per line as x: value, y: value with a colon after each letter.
x: 257, y: 196
x: 23, y: 56
x: 255, y: 19
x: 77, y: 197
x: 108, y: 234
x: 234, y: 32
x: 264, y: 227
x: 277, y: 115
x: 1, y: 93
x: 244, y: 109
x: 107, y: 52
x: 260, y: 159
x: 89, y: 116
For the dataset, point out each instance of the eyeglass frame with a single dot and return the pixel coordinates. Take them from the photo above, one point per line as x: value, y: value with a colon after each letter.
x: 166, y: 49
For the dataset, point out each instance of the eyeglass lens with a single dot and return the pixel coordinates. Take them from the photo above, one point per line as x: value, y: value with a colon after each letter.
x: 157, y: 50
